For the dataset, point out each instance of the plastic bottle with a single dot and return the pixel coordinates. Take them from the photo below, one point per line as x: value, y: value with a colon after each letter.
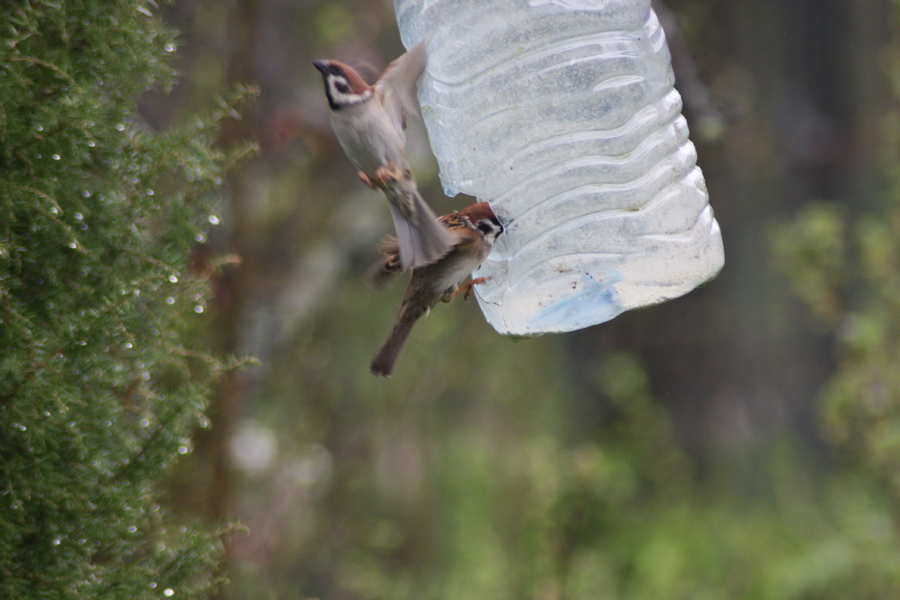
x: 562, y: 114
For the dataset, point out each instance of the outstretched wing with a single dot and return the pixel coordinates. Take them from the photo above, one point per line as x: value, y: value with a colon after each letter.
x: 396, y: 88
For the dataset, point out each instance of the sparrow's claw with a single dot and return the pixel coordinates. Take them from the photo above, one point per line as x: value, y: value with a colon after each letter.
x: 467, y: 288
x: 365, y: 179
x: 384, y: 176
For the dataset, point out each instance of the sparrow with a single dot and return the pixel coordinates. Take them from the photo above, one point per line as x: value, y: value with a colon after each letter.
x: 370, y: 122
x: 474, y: 228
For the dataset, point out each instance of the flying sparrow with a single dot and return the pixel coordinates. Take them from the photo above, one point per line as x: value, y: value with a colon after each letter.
x: 369, y: 122
x: 475, y: 228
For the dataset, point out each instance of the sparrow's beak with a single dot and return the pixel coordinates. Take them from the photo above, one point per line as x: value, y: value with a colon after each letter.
x: 321, y: 65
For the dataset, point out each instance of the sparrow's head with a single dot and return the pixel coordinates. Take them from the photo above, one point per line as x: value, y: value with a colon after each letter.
x: 343, y: 85
x: 482, y: 218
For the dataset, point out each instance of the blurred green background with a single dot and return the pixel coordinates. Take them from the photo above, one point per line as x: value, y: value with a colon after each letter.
x: 740, y: 442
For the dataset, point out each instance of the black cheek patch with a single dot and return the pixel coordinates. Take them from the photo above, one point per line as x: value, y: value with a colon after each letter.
x: 488, y: 228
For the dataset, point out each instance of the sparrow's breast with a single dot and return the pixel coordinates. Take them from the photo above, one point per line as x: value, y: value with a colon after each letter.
x: 368, y: 137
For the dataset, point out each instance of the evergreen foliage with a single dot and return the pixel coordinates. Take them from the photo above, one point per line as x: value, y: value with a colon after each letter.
x: 98, y: 391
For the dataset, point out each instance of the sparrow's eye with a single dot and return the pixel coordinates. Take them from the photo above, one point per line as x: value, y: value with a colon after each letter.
x: 340, y: 84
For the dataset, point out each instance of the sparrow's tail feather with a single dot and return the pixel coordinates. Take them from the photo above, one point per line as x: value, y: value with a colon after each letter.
x: 384, y: 361
x: 423, y: 239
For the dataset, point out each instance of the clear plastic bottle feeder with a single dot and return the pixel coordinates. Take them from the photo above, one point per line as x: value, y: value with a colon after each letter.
x: 562, y: 114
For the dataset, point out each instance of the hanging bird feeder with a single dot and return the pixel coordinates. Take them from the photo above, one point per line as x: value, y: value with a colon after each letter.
x: 562, y: 114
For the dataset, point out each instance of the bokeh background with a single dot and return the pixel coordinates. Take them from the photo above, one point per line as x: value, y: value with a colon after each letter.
x: 739, y: 442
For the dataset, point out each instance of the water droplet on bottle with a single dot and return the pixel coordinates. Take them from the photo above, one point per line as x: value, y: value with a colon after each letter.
x: 170, y: 48
x: 129, y: 345
x: 132, y: 529
x: 213, y: 219
x: 145, y: 423
x: 120, y: 127
x: 168, y: 592
x: 199, y: 238
x: 79, y: 216
x: 198, y: 309
x: 40, y: 127
x: 183, y: 450
x: 91, y: 143
x: 86, y: 194
x: 170, y: 300
x: 56, y: 542
x: 204, y: 422
x: 173, y: 278
x: 73, y: 245
x: 152, y: 585
x: 54, y: 210
x: 56, y: 157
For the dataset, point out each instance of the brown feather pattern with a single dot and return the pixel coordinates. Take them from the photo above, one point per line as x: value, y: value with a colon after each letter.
x: 438, y: 281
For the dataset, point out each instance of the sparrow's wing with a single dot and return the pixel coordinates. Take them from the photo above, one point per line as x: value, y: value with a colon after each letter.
x: 389, y: 247
x: 396, y: 88
x: 388, y: 267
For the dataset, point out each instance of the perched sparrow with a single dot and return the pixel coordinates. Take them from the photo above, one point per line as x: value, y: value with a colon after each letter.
x: 475, y: 229
x: 369, y: 122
